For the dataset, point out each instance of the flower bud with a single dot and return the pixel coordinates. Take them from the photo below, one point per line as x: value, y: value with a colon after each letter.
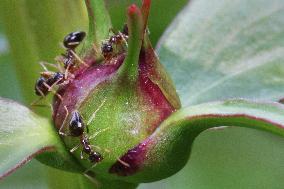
x: 115, y: 104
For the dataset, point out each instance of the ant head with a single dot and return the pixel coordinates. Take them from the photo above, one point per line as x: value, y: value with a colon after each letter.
x: 107, y: 48
x: 95, y: 157
x: 76, y: 125
x: 72, y: 40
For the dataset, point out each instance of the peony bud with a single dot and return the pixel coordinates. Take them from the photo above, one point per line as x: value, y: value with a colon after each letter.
x: 116, y: 103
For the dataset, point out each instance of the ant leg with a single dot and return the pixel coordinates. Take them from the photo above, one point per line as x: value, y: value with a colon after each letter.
x: 78, y: 58
x: 75, y: 148
x: 35, y: 103
x: 47, y: 74
x: 54, y: 84
x: 60, y: 64
x: 96, y: 49
x: 67, y: 71
x: 64, y: 121
x: 51, y: 90
x: 94, y: 114
x: 44, y: 64
x: 81, y: 155
x: 124, y: 39
x: 108, y: 151
x: 42, y: 96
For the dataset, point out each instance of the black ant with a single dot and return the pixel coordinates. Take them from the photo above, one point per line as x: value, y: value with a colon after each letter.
x: 46, y: 82
x: 77, y: 129
x: 116, y: 39
x: 70, y: 42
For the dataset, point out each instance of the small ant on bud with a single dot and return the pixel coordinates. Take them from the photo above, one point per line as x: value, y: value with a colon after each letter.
x: 77, y: 129
x: 46, y: 82
x: 115, y: 40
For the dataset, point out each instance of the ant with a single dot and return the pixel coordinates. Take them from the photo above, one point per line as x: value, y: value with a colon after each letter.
x: 77, y: 129
x: 46, y: 82
x: 120, y: 37
x: 116, y: 39
x: 70, y: 42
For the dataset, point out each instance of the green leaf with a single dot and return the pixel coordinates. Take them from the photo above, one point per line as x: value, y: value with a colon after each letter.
x: 214, y: 42
x: 25, y: 135
x: 172, y: 141
x: 223, y: 49
x: 35, y: 175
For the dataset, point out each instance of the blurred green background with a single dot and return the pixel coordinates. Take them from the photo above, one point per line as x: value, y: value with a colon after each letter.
x: 218, y: 160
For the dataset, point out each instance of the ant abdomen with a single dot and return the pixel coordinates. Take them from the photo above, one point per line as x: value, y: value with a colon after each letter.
x: 40, y: 88
x: 72, y: 40
x: 95, y: 157
x: 76, y: 125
